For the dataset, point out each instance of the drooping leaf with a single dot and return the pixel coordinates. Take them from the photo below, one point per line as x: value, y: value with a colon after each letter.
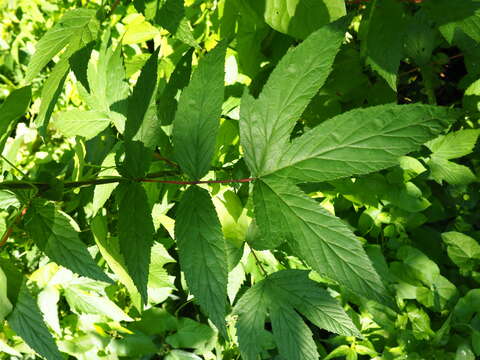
x: 13, y: 107
x: 135, y: 233
x: 361, y: 141
x: 197, y: 119
x: 56, y: 234
x: 77, y: 23
x: 284, y: 295
x: 203, y: 253
x: 81, y: 123
x: 300, y: 18
x: 318, y: 237
x: 382, y: 38
x: 266, y: 123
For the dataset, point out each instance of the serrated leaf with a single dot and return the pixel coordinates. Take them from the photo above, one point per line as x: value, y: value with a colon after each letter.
x: 454, y: 145
x: 77, y: 23
x: 197, y: 119
x: 318, y: 237
x: 382, y: 36
x: 203, y: 253
x: 282, y: 295
x: 86, y: 123
x: 102, y: 193
x: 26, y: 319
x: 12, y: 108
x: 300, y: 18
x: 137, y: 127
x: 462, y: 249
x: 135, y: 233
x: 266, y: 123
x: 171, y: 16
x: 56, y: 234
x: 455, y: 174
x: 361, y: 141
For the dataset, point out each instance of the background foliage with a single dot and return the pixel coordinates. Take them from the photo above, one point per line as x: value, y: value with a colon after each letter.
x: 112, y: 112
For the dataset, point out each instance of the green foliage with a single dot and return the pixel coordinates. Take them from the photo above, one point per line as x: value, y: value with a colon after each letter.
x: 271, y: 179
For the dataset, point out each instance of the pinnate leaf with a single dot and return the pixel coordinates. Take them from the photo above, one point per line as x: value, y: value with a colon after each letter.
x: 318, y: 237
x: 56, y: 234
x: 285, y: 295
x: 361, y: 141
x: 197, y: 119
x: 203, y: 253
x: 135, y: 233
x: 266, y: 122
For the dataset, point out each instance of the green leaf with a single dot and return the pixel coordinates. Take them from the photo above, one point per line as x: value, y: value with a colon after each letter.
x: 171, y: 16
x: 455, y: 174
x: 282, y: 295
x: 462, y: 249
x: 191, y: 334
x: 266, y: 123
x: 77, y: 23
x: 135, y: 233
x: 79, y: 64
x: 83, y: 300
x: 5, y: 304
x: 382, y: 36
x: 56, y: 234
x: 197, y: 119
x: 318, y: 237
x: 102, y: 193
x: 300, y: 18
x: 361, y: 141
x: 454, y: 145
x: 203, y: 253
x: 141, y: 124
x: 26, y: 319
x: 81, y: 123
x: 14, y: 106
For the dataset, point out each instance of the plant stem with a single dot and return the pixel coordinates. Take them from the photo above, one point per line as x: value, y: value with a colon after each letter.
x: 199, y: 181
x: 259, y: 263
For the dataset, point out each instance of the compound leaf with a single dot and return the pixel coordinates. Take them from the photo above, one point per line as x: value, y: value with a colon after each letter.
x: 361, y: 141
x: 197, y: 119
x: 203, y: 253
x: 266, y: 123
x: 318, y: 237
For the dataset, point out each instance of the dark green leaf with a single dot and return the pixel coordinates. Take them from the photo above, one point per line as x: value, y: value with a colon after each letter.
x: 203, y: 253
x: 14, y: 106
x: 197, y: 119
x: 79, y: 64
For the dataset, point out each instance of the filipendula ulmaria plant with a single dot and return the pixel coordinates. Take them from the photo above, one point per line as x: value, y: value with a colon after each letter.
x: 358, y: 142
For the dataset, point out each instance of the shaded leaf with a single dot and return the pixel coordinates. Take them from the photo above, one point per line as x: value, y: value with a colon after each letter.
x: 13, y: 107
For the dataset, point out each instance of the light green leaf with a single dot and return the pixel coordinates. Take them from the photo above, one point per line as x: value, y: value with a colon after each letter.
x: 203, y: 253
x: 56, y: 234
x: 318, y: 237
x: 382, y: 34
x: 282, y: 294
x: 462, y: 249
x: 266, y: 123
x: 135, y: 233
x: 181, y: 355
x: 5, y: 304
x: 139, y: 31
x: 455, y: 174
x: 83, y: 300
x: 13, y: 107
x: 454, y: 145
x: 361, y: 141
x: 81, y: 123
x: 142, y: 125
x: 48, y: 300
x: 77, y: 23
x: 26, y: 320
x: 300, y: 18
x: 102, y: 193
x: 197, y: 119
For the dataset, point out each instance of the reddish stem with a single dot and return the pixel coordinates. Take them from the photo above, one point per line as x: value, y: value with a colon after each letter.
x: 10, y: 228
x: 198, y: 181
